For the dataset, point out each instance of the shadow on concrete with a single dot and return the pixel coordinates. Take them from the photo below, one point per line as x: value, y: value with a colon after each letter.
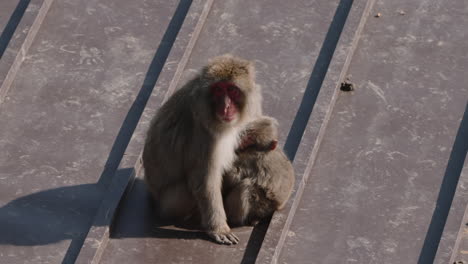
x: 137, y: 217
x: 136, y: 110
x: 316, y: 78
x: 49, y: 216
x: 68, y: 212
x: 305, y: 110
x: 446, y: 193
x: 12, y: 24
x: 255, y: 241
x: 137, y: 207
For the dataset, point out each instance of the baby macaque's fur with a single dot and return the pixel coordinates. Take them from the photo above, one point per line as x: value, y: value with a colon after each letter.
x: 262, y: 177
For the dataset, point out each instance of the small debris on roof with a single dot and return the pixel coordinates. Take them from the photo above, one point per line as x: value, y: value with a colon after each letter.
x: 347, y: 86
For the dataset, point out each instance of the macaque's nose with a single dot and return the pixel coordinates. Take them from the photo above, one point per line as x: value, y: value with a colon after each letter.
x: 227, y: 104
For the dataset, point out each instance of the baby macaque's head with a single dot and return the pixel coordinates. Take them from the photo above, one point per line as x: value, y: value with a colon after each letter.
x: 260, y: 135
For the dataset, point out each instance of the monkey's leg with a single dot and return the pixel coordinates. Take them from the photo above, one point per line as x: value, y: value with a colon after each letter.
x: 176, y: 202
x: 247, y: 204
x: 237, y: 204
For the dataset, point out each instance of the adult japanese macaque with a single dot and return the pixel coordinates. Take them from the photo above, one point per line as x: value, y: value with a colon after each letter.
x: 262, y: 177
x: 192, y: 139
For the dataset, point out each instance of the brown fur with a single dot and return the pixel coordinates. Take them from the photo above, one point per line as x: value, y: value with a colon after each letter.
x: 261, y: 179
x: 188, y: 148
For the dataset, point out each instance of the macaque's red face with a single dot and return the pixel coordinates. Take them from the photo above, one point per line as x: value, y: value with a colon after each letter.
x: 227, y: 99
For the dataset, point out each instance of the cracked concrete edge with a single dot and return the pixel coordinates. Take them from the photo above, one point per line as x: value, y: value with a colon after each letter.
x: 98, y: 235
x: 316, y: 128
x: 33, y: 21
x: 460, y: 250
x: 460, y: 247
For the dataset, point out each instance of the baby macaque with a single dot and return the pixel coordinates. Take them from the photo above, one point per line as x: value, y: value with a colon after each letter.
x: 262, y: 177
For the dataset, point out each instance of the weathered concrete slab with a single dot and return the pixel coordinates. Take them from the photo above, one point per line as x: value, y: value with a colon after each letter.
x: 64, y: 124
x: 19, y: 22
x: 374, y: 186
x: 343, y: 33
x: 6, y: 10
x: 186, y: 25
x: 285, y: 44
x: 377, y: 189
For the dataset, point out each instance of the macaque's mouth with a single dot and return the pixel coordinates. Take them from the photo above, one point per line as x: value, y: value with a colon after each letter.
x: 227, y: 118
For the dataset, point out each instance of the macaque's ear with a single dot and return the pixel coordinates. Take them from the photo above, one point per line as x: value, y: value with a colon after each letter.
x: 251, y: 70
x: 273, y: 145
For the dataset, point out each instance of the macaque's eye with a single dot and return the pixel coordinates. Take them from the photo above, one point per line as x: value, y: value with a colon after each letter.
x: 217, y: 90
x: 233, y: 92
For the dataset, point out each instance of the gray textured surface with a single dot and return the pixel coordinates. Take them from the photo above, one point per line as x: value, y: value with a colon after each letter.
x: 367, y: 195
x: 373, y: 188
x: 19, y: 25
x: 175, y: 47
x: 285, y: 44
x: 352, y: 19
x: 6, y: 9
x: 61, y: 118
